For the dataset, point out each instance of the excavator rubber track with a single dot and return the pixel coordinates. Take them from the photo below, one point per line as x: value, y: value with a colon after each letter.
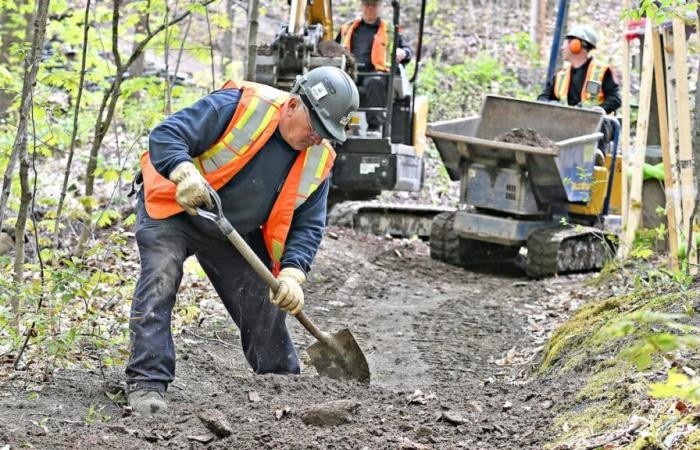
x: 398, y: 220
x: 448, y: 247
x: 565, y: 249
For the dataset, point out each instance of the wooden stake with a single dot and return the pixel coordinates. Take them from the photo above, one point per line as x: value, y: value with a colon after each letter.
x: 634, y: 213
x: 625, y: 137
x: 669, y: 178
x: 685, y: 142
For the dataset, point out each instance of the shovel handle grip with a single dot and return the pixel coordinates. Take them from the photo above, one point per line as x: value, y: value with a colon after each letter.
x: 262, y: 270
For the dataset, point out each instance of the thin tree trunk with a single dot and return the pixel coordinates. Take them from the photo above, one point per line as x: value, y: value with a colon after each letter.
x: 20, y: 145
x: 139, y: 65
x: 74, y: 133
x: 110, y: 97
x: 696, y: 153
x: 253, y: 6
x: 12, y: 32
x: 108, y: 106
x: 227, y: 50
x: 182, y: 46
x: 10, y: 169
x: 166, y: 57
x: 211, y: 50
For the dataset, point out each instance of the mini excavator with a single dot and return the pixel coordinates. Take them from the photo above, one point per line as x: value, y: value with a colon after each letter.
x: 367, y: 163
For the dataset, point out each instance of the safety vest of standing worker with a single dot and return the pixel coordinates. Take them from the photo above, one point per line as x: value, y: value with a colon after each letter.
x: 250, y: 128
x: 592, y: 93
x: 381, y: 45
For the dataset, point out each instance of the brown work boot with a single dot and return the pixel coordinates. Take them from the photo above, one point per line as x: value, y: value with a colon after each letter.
x: 147, y: 402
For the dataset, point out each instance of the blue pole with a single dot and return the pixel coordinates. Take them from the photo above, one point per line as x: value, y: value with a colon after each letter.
x: 562, y: 13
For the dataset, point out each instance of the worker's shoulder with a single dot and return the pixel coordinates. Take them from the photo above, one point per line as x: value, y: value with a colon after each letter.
x: 223, y: 98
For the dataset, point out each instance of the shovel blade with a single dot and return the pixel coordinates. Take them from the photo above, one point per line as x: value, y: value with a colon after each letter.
x: 344, y: 362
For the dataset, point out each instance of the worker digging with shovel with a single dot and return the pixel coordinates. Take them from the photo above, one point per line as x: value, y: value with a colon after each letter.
x: 266, y: 153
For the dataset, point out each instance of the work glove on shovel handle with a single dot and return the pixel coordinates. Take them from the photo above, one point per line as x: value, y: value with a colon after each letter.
x: 191, y: 189
x: 289, y: 296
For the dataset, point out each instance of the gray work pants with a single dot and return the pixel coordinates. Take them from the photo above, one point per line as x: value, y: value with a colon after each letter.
x: 163, y: 246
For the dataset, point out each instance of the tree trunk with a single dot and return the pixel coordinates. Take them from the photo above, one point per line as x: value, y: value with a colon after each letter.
x: 14, y: 27
x: 74, y: 133
x: 182, y: 47
x: 211, y: 51
x: 227, y: 44
x: 138, y: 66
x: 696, y: 147
x: 20, y: 145
x: 166, y: 59
x: 253, y: 7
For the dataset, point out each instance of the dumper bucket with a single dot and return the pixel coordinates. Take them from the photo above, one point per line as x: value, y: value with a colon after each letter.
x: 562, y: 173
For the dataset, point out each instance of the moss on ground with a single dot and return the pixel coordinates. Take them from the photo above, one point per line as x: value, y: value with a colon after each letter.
x: 612, y: 389
x: 580, y: 338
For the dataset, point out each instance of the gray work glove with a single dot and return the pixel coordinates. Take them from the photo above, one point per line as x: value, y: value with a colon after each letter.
x: 191, y: 188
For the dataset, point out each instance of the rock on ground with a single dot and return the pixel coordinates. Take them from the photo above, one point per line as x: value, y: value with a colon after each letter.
x: 336, y: 412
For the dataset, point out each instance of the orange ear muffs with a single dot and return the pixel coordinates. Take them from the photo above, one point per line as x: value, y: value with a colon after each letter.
x: 575, y: 45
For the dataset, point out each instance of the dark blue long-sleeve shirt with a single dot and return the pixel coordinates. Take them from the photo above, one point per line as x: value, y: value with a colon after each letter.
x: 247, y: 198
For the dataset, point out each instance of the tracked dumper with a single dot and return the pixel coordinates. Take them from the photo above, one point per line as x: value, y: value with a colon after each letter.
x: 554, y: 201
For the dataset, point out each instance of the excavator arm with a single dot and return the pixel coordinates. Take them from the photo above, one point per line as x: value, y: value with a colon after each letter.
x: 295, y: 49
x: 320, y: 12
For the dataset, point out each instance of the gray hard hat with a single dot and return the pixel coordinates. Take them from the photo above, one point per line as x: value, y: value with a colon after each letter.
x: 585, y: 33
x: 332, y: 98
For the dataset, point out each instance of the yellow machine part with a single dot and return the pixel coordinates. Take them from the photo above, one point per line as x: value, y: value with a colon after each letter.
x: 598, y: 190
x: 616, y: 193
x: 420, y: 124
x: 320, y: 12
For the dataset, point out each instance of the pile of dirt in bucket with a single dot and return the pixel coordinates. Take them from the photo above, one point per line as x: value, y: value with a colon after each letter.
x: 525, y: 136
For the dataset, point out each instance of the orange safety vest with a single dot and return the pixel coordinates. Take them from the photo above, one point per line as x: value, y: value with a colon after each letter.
x: 382, y: 44
x: 596, y: 73
x: 254, y: 121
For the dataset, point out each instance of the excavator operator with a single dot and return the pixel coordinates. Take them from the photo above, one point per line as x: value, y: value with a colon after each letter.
x: 370, y: 39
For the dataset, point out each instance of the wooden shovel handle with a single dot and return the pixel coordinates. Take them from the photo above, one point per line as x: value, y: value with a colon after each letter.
x: 262, y: 270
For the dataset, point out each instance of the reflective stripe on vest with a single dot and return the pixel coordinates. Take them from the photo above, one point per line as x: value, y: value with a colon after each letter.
x: 308, y: 172
x: 382, y: 44
x: 254, y: 121
x: 596, y: 72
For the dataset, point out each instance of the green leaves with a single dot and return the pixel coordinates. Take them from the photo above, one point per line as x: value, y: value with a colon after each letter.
x: 6, y: 77
x: 677, y: 385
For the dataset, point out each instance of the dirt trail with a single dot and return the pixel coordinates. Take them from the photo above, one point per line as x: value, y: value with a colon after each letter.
x: 449, y: 352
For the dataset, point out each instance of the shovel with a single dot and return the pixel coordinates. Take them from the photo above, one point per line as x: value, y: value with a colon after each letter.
x: 335, y: 355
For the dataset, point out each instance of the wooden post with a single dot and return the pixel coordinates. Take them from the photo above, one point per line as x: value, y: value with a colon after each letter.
x: 634, y: 213
x: 668, y: 160
x: 542, y: 26
x: 625, y: 136
x: 685, y: 143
